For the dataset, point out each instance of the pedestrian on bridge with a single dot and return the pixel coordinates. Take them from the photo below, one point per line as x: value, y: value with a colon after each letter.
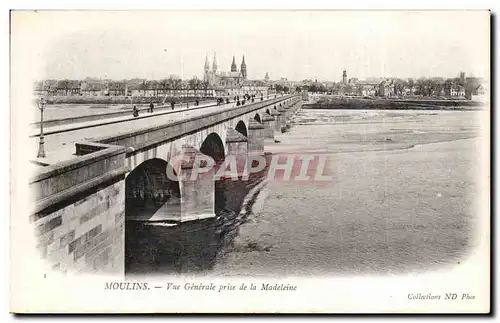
x: 151, y: 107
x: 135, y: 111
x: 172, y: 104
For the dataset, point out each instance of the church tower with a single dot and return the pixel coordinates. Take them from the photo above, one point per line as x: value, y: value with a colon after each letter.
x: 244, y: 68
x: 207, y: 69
x: 344, y: 77
x: 266, y: 78
x: 233, y: 65
x: 214, y: 64
x: 207, y: 66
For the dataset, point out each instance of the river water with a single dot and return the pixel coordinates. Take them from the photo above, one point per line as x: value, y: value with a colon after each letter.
x: 402, y: 199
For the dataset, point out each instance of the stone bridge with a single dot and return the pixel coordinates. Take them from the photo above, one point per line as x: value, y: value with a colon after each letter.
x: 82, y: 204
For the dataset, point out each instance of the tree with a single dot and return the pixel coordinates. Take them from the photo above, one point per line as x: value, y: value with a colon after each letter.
x: 205, y: 86
x: 194, y: 84
x: 153, y: 85
x: 423, y: 87
x: 411, y: 85
x: 63, y: 85
x: 174, y: 82
x: 436, y: 88
x: 398, y: 88
x: 116, y: 87
x: 143, y: 87
x: 164, y: 85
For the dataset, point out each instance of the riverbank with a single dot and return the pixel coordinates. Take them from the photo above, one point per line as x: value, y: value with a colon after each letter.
x: 393, y: 104
x: 119, y: 99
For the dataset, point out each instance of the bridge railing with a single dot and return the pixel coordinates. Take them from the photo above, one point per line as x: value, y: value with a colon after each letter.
x: 100, y: 163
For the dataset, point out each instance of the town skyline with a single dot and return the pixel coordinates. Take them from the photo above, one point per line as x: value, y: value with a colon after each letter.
x: 294, y: 45
x: 277, y: 79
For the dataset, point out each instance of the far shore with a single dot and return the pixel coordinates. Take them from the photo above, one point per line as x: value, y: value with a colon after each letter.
x: 393, y: 104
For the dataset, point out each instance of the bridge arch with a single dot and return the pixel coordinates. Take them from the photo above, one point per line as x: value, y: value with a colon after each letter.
x: 214, y: 147
x: 241, y: 128
x: 257, y: 118
x: 148, y: 188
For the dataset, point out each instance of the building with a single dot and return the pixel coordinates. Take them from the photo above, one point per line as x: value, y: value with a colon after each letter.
x: 368, y: 89
x: 233, y: 78
x: 453, y: 90
x: 91, y: 88
x: 305, y: 95
x: 344, y: 77
x: 480, y: 94
x: 235, y: 82
x: 256, y: 87
x: 408, y: 90
x: 386, y: 88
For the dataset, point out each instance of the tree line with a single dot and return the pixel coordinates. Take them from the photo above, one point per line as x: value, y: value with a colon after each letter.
x: 166, y: 84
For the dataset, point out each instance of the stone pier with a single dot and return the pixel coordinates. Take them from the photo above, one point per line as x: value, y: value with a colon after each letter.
x: 277, y: 120
x: 268, y: 122
x: 197, y: 189
x: 283, y: 119
x: 256, y: 137
x: 237, y: 147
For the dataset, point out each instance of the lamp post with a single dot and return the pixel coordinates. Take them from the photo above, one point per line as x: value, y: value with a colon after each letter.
x: 41, y: 149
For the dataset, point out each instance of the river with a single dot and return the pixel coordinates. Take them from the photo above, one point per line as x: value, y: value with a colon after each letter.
x: 402, y: 199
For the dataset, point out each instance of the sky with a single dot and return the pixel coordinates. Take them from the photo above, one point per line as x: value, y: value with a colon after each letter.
x: 291, y: 44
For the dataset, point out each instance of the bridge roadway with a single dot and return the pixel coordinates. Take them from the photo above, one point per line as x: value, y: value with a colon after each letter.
x: 60, y: 140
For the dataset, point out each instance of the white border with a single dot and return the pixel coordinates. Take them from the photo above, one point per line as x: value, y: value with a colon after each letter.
x: 145, y: 4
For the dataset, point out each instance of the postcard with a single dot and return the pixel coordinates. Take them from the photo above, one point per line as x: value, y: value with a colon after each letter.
x: 225, y: 161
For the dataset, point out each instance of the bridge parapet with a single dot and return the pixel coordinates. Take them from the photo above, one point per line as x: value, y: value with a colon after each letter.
x: 79, y: 213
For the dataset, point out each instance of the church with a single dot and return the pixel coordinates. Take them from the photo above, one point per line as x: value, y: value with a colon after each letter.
x: 225, y: 79
x: 232, y: 83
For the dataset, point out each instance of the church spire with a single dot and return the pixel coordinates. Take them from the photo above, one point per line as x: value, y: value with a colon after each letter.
x: 233, y: 65
x: 207, y: 66
x: 243, y: 68
x: 214, y: 64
